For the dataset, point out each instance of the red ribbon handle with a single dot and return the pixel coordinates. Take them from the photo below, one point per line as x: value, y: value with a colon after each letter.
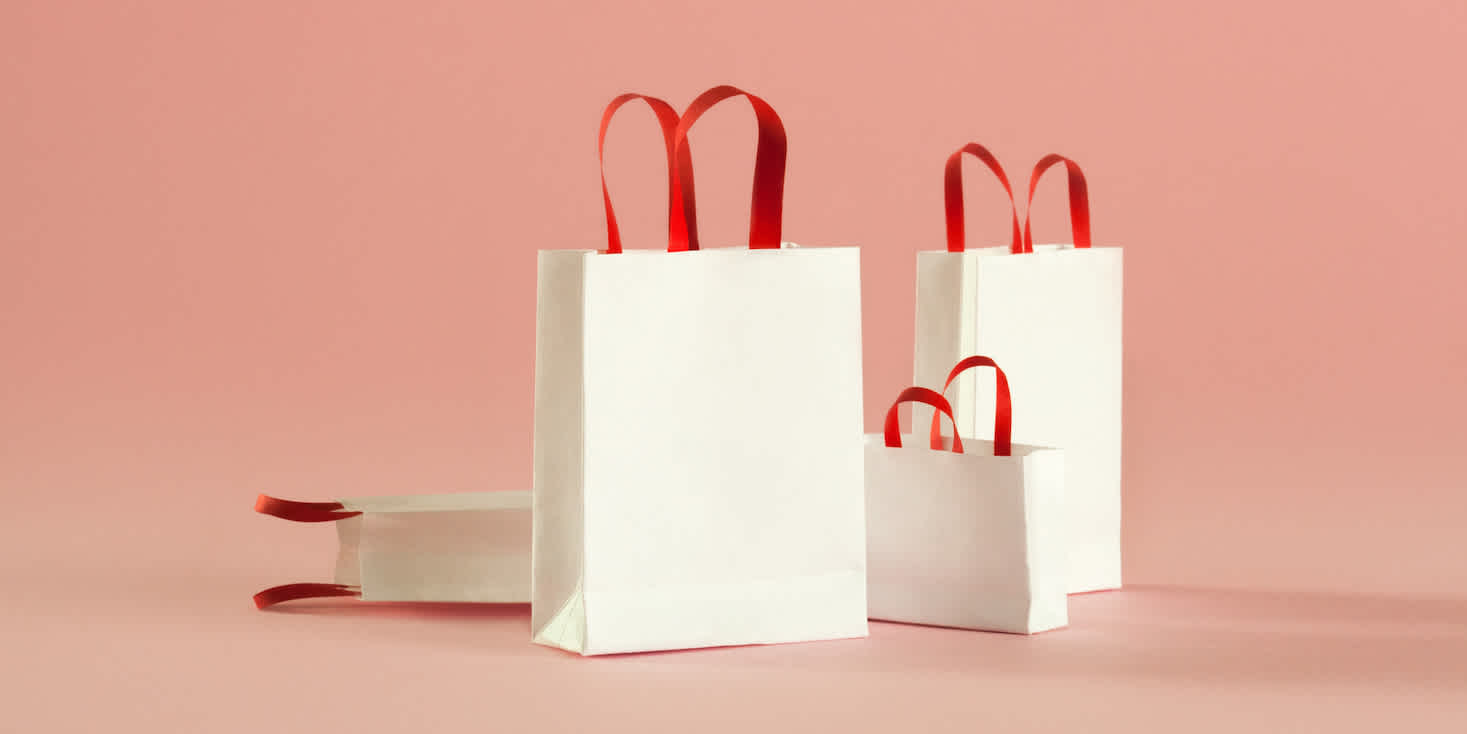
x: 301, y: 511
x: 290, y: 592
x: 1079, y: 201
x: 680, y: 215
x: 1003, y: 413
x: 952, y: 195
x: 766, y: 214
x: 920, y: 395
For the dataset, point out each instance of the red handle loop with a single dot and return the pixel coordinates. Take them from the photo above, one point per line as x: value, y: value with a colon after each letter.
x: 952, y: 195
x: 290, y: 592
x: 1003, y: 413
x: 1079, y: 201
x: 301, y: 511
x: 920, y: 395
x: 680, y: 214
x: 766, y: 214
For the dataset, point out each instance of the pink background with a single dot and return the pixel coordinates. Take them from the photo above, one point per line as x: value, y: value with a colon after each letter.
x: 289, y: 247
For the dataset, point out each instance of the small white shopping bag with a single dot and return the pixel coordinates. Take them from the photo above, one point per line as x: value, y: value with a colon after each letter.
x: 698, y: 475
x: 1051, y: 314
x: 969, y: 537
x: 467, y: 547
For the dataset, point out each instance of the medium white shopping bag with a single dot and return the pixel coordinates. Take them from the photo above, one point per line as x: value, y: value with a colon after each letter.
x: 1051, y: 314
x: 698, y: 468
x: 967, y: 533
x: 466, y: 547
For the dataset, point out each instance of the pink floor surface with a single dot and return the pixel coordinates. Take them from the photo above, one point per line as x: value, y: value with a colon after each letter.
x: 114, y: 621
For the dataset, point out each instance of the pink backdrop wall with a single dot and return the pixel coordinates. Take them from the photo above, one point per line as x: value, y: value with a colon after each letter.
x: 290, y: 247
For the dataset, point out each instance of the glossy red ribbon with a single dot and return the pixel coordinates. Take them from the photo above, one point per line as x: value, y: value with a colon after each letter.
x: 290, y: 592
x: 766, y: 214
x: 952, y: 194
x: 1003, y: 413
x: 1021, y: 242
x: 301, y: 511
x: 680, y: 215
x: 1079, y: 201
x: 920, y: 395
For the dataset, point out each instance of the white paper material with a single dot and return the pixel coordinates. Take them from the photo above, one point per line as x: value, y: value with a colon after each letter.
x: 698, y: 449
x: 966, y: 540
x: 1052, y: 318
x: 464, y: 547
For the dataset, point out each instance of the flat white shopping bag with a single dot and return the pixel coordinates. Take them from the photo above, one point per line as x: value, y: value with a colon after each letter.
x: 466, y: 547
x: 966, y: 533
x: 698, y: 467
x: 1051, y: 314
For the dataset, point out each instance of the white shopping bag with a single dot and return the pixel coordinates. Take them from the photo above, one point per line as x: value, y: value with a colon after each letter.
x: 973, y: 537
x: 1051, y: 314
x: 698, y: 469
x: 468, y: 547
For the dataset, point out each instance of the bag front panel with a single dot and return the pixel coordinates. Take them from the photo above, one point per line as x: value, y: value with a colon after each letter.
x: 723, y: 425
x: 947, y: 536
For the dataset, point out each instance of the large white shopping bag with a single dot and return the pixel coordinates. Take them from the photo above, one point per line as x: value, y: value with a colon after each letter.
x: 1051, y: 314
x: 467, y: 547
x: 968, y: 533
x: 698, y: 475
